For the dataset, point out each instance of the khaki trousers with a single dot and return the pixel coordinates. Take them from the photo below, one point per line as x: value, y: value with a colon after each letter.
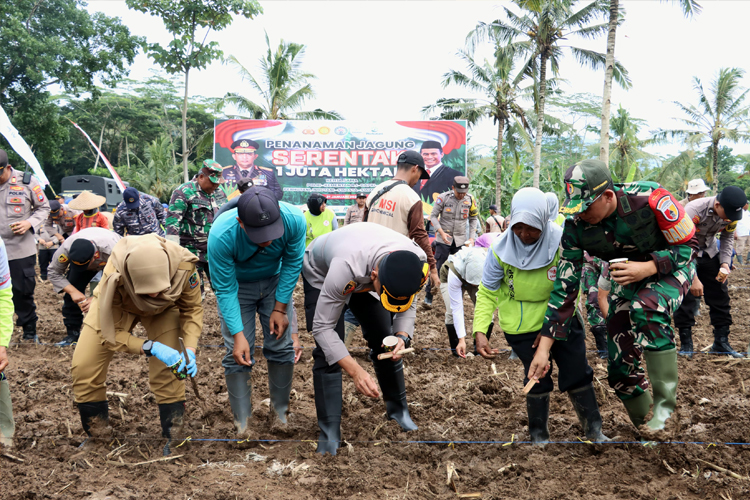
x: 740, y: 246
x: 93, y: 354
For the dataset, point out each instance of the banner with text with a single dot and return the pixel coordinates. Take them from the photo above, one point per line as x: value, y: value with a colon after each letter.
x: 337, y: 159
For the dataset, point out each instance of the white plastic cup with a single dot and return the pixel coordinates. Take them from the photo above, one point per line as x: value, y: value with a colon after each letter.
x: 390, y: 342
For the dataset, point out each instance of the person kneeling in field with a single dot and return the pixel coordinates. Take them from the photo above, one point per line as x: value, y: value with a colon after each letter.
x: 152, y: 281
x: 518, y: 277
x: 343, y: 268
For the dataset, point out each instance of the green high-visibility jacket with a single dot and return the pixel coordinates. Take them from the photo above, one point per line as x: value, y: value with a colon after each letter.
x: 318, y: 225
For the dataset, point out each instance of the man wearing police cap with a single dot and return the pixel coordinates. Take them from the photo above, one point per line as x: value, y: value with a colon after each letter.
x: 26, y: 209
x: 245, y: 152
x: 73, y: 266
x: 355, y: 213
x: 61, y: 222
x: 717, y: 214
x: 449, y: 215
x: 344, y: 268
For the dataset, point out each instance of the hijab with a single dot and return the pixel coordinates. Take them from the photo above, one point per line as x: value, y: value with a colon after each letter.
x: 534, y: 208
x: 314, y: 202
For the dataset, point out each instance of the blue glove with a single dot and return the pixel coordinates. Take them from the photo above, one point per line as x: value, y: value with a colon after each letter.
x: 166, y: 354
x: 192, y: 367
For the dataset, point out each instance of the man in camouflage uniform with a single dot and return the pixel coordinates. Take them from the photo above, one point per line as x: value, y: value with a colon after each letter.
x: 711, y: 216
x: 244, y: 153
x: 191, y: 213
x: 138, y: 213
x: 644, y: 223
x: 592, y: 269
x: 26, y: 209
x: 449, y: 215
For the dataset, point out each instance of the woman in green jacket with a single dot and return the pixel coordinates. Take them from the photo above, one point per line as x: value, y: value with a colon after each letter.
x: 517, y: 280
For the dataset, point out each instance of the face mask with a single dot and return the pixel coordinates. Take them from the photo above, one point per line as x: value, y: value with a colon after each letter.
x: 90, y: 212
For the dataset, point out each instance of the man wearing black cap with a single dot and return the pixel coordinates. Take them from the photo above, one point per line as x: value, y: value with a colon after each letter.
x: 341, y: 269
x: 449, y: 216
x: 256, y: 255
x: 717, y: 214
x: 139, y: 213
x: 25, y: 210
x: 62, y: 216
x: 440, y: 177
x: 73, y: 266
x: 245, y: 152
x: 355, y: 213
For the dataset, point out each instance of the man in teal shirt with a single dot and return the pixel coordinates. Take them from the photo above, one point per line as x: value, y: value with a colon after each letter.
x: 257, y: 250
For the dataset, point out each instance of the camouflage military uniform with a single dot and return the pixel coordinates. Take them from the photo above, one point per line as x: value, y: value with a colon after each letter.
x: 189, y: 218
x: 148, y: 218
x: 640, y: 314
x: 592, y: 269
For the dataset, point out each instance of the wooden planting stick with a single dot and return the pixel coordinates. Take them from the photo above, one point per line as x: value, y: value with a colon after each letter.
x: 530, y: 385
x: 388, y: 355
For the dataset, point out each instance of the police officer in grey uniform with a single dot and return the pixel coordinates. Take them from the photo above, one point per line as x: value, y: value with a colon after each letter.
x: 26, y: 209
x: 344, y: 268
x: 73, y: 267
x: 449, y: 215
x: 711, y: 216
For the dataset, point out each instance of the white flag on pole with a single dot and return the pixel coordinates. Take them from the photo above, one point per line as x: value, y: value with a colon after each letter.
x: 20, y: 146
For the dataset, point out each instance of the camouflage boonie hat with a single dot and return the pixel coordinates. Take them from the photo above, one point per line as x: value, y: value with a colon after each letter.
x: 584, y: 183
x: 213, y: 170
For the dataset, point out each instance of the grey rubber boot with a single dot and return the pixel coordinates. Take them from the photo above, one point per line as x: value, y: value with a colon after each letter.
x: 390, y: 376
x: 587, y: 409
x: 279, y: 387
x: 240, y: 399
x: 537, y: 408
x: 328, y: 403
x: 7, y: 424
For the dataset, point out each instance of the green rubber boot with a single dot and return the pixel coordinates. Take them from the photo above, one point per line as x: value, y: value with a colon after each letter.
x: 638, y: 408
x: 662, y: 373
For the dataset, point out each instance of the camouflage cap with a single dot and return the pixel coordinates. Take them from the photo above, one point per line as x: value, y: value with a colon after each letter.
x: 213, y: 170
x: 584, y: 183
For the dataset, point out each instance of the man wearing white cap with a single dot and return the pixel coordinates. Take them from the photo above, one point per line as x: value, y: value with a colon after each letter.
x: 696, y: 189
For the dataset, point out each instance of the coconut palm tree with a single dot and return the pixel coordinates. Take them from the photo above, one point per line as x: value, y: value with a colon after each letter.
x: 689, y: 8
x: 720, y: 114
x: 541, y: 31
x: 626, y: 149
x: 499, y: 86
x: 282, y: 84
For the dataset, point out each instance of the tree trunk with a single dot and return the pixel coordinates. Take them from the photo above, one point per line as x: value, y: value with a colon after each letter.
x: 499, y: 164
x: 715, y: 166
x: 540, y: 119
x: 184, y: 129
x: 609, y: 71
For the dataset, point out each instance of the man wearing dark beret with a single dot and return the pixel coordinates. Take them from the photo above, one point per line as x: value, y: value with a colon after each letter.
x: 441, y: 176
x: 244, y: 153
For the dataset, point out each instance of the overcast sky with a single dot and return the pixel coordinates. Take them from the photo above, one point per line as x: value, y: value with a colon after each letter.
x: 384, y: 60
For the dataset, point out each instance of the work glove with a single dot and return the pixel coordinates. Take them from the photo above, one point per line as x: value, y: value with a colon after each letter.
x: 170, y: 357
x: 192, y: 367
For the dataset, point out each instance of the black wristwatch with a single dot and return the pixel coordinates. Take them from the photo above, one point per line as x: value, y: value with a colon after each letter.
x: 147, y: 345
x: 406, y: 339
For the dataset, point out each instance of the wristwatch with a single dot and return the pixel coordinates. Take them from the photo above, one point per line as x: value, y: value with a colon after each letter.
x: 406, y: 339
x: 147, y: 345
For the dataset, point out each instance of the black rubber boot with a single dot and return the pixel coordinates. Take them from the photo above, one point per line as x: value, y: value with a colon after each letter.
x: 686, y: 342
x: 328, y: 402
x: 240, y: 392
x: 390, y: 376
x: 488, y: 335
x: 721, y: 343
x: 91, y: 412
x: 537, y: 408
x: 587, y: 409
x: 452, y: 338
x: 29, y: 333
x: 70, y: 339
x: 171, y: 416
x: 280, y: 387
x: 600, y: 336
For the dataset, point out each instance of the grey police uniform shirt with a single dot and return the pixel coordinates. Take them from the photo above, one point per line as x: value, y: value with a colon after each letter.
x: 103, y: 239
x: 21, y: 202
x: 338, y: 264
x: 451, y: 214
x: 707, y: 224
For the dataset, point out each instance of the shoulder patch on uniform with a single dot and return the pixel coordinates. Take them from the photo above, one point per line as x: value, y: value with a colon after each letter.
x: 696, y: 219
x: 731, y: 227
x: 349, y: 288
x: 674, y: 222
x: 194, y: 280
x: 439, y: 199
x: 62, y: 259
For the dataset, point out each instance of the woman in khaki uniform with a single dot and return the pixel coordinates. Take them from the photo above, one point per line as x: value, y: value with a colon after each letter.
x: 152, y: 281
